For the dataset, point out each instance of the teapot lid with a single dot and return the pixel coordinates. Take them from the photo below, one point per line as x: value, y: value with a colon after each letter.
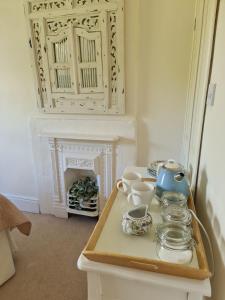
x: 173, y: 165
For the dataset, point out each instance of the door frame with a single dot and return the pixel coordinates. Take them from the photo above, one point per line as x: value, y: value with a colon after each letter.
x: 206, y: 13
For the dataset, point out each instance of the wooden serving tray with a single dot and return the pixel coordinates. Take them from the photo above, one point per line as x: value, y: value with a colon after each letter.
x: 109, y: 245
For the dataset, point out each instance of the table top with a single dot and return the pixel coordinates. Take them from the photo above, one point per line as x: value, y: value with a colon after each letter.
x: 109, y: 241
x: 130, y: 245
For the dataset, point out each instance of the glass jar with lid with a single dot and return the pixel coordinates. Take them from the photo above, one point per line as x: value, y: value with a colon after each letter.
x: 174, y: 243
x: 176, y: 214
x: 169, y: 198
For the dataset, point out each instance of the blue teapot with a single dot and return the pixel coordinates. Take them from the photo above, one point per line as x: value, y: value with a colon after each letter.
x: 171, y: 177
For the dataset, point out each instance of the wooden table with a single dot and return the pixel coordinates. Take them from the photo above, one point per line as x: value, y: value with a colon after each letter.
x: 111, y: 282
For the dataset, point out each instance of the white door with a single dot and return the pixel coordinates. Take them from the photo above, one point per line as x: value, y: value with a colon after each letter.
x: 211, y: 184
x: 200, y: 66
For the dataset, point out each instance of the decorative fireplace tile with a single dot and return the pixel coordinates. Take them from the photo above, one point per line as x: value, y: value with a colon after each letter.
x: 80, y: 155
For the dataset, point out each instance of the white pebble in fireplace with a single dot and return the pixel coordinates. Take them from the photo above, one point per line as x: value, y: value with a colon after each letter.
x: 73, y: 159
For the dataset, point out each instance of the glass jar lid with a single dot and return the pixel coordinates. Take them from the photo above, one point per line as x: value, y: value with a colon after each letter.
x: 177, y: 214
x: 174, y: 236
x: 169, y: 198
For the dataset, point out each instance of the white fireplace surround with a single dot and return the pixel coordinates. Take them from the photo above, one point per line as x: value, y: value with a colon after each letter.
x: 102, y: 145
x: 79, y: 153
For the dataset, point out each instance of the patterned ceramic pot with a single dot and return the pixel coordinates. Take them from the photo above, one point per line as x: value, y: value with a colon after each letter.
x: 137, y: 221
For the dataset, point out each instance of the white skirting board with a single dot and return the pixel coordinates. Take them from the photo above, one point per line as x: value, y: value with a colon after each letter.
x: 28, y: 204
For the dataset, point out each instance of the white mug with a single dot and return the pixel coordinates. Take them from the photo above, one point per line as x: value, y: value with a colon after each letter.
x: 128, y: 179
x: 141, y: 193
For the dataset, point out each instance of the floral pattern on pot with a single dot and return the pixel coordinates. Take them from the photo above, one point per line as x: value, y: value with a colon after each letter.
x: 136, y: 221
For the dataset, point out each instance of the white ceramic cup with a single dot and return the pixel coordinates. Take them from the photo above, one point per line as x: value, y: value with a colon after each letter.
x: 141, y: 193
x: 128, y: 179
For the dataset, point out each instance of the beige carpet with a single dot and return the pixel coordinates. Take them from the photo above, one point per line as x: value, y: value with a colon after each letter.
x: 46, y: 261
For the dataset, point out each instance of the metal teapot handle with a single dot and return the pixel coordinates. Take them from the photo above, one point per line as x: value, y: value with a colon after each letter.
x: 163, y: 163
x: 171, y: 160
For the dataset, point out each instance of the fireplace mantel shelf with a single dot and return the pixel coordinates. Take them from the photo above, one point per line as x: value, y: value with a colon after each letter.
x: 81, y: 137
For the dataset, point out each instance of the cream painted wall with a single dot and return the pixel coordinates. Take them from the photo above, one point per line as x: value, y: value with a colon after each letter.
x: 166, y: 32
x: 17, y: 102
x: 211, y: 184
x: 158, y: 46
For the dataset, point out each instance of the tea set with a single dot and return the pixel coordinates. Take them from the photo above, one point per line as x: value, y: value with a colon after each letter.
x: 170, y: 177
x: 174, y: 235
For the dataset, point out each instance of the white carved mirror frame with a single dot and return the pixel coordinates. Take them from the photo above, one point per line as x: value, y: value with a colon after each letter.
x: 77, y: 49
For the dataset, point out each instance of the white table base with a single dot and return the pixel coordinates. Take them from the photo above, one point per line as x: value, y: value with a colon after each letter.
x: 109, y: 282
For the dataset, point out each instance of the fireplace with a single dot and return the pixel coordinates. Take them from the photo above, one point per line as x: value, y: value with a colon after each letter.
x: 78, y: 158
x: 68, y: 149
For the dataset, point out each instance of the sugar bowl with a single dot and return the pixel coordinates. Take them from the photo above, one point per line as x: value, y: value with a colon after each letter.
x: 137, y: 221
